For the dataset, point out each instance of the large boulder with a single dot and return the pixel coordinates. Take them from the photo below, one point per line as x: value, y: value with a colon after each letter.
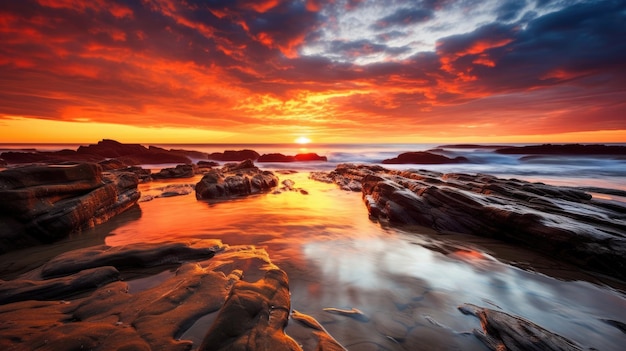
x: 238, y: 179
x: 41, y: 204
x: 563, y: 222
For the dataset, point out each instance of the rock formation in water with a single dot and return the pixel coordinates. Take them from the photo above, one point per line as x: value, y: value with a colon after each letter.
x: 423, y: 157
x: 565, y: 223
x: 78, y: 301
x: 234, y: 155
x: 41, y: 204
x: 235, y: 180
x: 276, y: 157
x: 117, y: 155
x: 180, y: 171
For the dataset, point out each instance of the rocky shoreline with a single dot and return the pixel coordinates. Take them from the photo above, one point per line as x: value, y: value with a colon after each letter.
x: 89, y: 298
x: 563, y: 222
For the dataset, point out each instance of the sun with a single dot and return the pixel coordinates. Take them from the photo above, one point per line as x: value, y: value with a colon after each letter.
x: 302, y: 140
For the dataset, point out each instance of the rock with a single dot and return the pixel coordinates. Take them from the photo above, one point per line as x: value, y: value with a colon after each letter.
x: 564, y: 149
x: 310, y: 157
x: 207, y: 164
x: 41, y: 204
x: 166, y: 191
x: 502, y: 331
x: 235, y: 180
x: 108, y: 148
x: 112, y: 153
x: 124, y: 257
x: 254, y: 317
x: 277, y: 157
x: 234, y: 155
x: 563, y: 222
x: 120, y: 315
x: 144, y: 175
x: 51, y: 157
x: 58, y: 288
x: 180, y: 171
x: 422, y: 157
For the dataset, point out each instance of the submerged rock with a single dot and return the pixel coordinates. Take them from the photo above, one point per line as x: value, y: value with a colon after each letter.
x: 564, y: 222
x: 236, y: 179
x: 41, y: 204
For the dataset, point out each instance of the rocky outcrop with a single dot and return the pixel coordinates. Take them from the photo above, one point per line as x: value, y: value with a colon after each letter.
x: 502, y: 331
x: 277, y: 157
x: 235, y: 180
x: 180, y: 171
x: 423, y: 157
x: 238, y: 287
x: 262, y: 309
x: 563, y: 222
x: 41, y: 204
x: 234, y: 155
x: 113, y: 154
x: 564, y: 149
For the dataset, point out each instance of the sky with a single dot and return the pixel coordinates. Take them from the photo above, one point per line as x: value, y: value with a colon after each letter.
x: 231, y: 71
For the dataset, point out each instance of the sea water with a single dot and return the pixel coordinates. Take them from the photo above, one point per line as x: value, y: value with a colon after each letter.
x: 408, y: 282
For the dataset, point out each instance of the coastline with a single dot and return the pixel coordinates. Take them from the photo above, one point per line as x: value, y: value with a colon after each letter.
x: 336, y: 257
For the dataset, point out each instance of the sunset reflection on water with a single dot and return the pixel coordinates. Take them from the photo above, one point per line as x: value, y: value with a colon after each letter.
x: 407, y: 283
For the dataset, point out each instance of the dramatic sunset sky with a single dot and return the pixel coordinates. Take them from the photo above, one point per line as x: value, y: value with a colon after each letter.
x: 202, y: 71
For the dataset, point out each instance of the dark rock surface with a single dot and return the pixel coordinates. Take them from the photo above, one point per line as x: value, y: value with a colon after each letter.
x: 423, y: 157
x: 235, y: 179
x: 114, y: 154
x: 234, y: 155
x: 262, y: 309
x: 180, y: 171
x: 563, y: 222
x: 207, y: 164
x: 247, y: 293
x: 564, y: 149
x: 277, y: 157
x: 41, y: 204
x: 502, y: 331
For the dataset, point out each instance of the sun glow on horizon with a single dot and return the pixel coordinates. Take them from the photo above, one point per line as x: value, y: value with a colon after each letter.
x: 302, y: 140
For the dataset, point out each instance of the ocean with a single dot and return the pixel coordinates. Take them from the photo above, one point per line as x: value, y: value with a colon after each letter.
x: 408, y: 282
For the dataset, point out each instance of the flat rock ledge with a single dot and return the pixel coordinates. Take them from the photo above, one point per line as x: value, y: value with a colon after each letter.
x: 235, y: 179
x: 41, y: 204
x: 89, y: 304
x: 565, y: 223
